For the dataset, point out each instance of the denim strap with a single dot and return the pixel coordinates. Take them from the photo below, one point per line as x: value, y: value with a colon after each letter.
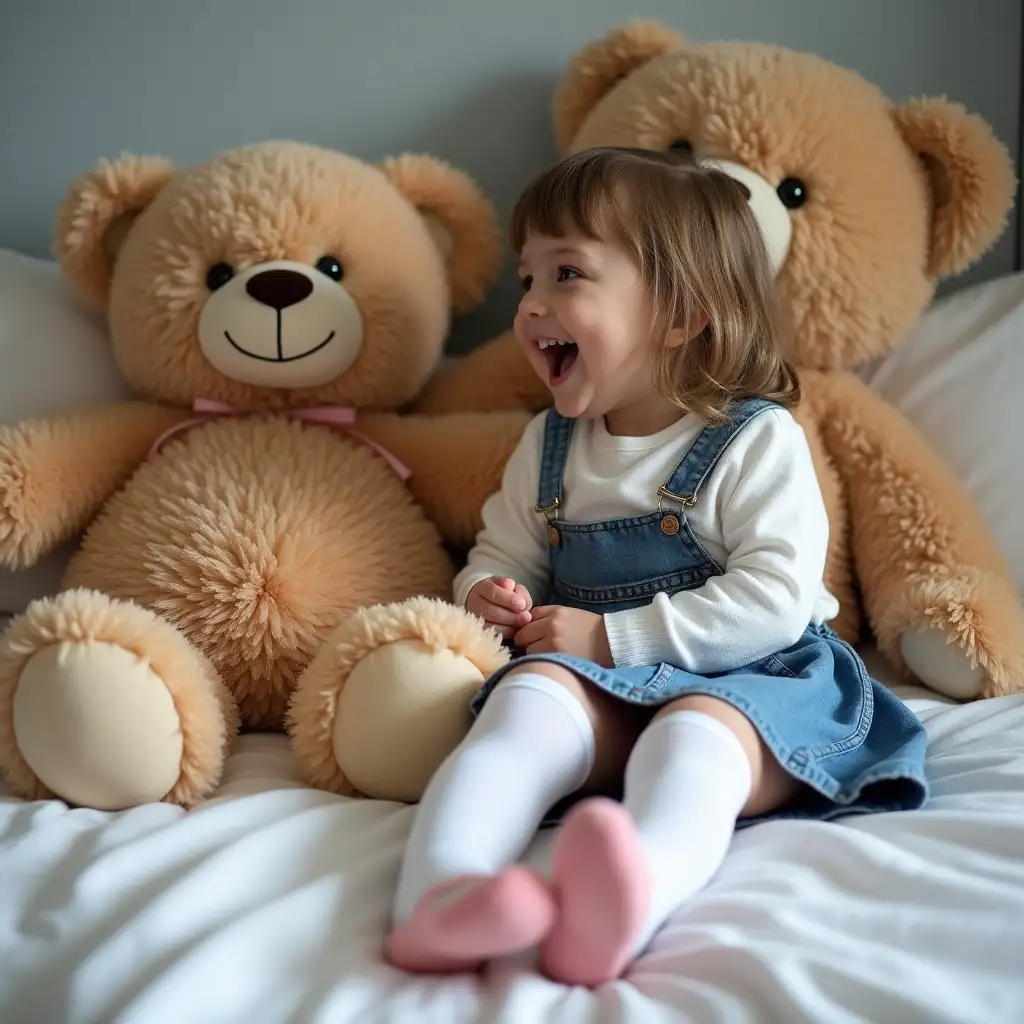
x: 557, y: 435
x: 703, y: 454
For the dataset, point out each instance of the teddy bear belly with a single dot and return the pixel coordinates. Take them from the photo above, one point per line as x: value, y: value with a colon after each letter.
x: 255, y: 539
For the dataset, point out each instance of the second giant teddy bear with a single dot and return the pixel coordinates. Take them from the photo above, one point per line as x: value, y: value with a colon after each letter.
x: 865, y: 205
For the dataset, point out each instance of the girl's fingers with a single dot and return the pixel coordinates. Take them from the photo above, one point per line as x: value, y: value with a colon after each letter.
x: 494, y: 614
x: 532, y: 632
x: 501, y: 597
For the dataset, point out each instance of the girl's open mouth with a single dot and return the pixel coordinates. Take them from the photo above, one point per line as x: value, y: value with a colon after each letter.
x: 561, y: 356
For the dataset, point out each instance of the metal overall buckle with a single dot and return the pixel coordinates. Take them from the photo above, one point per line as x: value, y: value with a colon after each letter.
x: 554, y: 537
x: 670, y: 522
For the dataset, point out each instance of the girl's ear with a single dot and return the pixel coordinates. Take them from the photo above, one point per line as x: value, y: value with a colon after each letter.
x: 683, y: 333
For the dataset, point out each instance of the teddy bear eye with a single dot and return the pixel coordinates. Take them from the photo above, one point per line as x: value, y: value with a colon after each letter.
x: 682, y: 146
x: 218, y: 275
x: 792, y: 192
x: 331, y: 266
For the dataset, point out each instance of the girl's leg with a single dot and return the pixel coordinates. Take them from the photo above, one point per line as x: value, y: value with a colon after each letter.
x: 698, y: 767
x: 542, y: 735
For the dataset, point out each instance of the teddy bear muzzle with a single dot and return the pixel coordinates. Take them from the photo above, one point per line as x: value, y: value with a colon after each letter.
x: 768, y: 206
x: 281, y: 324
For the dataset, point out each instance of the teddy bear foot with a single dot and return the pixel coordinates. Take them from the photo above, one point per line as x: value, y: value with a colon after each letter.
x: 960, y: 633
x: 105, y: 705
x: 942, y: 665
x: 386, y: 699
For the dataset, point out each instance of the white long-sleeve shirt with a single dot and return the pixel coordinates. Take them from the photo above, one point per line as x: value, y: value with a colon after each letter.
x: 760, y: 516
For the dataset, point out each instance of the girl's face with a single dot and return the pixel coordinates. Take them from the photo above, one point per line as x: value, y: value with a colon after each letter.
x: 585, y: 323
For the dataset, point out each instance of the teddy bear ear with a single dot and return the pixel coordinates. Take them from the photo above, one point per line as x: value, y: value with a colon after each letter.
x: 460, y: 219
x: 96, y: 215
x: 597, y: 67
x: 971, y: 176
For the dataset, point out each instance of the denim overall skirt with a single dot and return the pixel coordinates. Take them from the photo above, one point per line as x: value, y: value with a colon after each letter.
x: 855, y: 745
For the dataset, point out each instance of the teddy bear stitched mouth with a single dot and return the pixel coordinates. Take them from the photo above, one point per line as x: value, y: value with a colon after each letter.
x: 280, y: 357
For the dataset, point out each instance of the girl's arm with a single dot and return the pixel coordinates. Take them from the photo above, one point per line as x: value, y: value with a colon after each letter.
x: 513, y: 541
x: 775, y: 528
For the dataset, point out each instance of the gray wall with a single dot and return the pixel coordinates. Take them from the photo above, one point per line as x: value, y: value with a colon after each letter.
x: 468, y: 81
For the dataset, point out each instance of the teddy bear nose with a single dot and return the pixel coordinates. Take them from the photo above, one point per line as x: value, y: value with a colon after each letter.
x: 279, y: 288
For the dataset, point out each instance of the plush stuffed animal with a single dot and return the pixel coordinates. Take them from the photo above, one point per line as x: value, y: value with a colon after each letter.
x: 240, y: 512
x: 865, y: 205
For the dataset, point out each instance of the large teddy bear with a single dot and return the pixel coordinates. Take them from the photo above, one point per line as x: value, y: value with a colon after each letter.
x: 865, y: 205
x: 240, y: 514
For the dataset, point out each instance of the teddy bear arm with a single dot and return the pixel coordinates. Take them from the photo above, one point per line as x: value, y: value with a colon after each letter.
x: 495, y: 376
x: 456, y: 462
x: 939, y: 596
x: 56, y: 472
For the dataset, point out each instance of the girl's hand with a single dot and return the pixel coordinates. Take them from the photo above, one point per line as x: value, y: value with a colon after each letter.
x: 502, y: 603
x: 557, y: 630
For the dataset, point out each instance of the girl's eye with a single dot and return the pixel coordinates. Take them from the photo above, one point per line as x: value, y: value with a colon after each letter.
x: 526, y: 282
x: 567, y: 273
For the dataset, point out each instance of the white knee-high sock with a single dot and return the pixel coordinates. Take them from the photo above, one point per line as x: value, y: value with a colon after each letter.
x: 531, y: 745
x: 687, y: 780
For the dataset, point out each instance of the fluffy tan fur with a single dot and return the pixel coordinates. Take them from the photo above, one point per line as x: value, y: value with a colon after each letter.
x: 899, y: 196
x: 268, y: 202
x: 439, y: 625
x: 56, y: 473
x: 295, y: 530
x: 206, y: 712
x: 228, y: 559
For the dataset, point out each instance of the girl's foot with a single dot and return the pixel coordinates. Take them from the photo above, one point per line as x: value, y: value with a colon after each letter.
x: 602, y: 888
x: 465, y: 921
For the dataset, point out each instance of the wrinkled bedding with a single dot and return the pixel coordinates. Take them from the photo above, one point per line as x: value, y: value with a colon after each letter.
x: 268, y: 904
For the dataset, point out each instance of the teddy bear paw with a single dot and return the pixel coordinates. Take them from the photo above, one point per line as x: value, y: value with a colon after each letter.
x: 97, y: 725
x: 104, y: 704
x: 414, y: 699
x: 387, y: 698
x: 939, y: 662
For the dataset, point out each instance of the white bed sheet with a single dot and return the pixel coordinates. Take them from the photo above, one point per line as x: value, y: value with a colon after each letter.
x: 268, y: 904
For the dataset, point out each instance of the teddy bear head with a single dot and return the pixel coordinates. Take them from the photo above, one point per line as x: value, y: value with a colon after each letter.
x: 278, y: 274
x: 864, y: 204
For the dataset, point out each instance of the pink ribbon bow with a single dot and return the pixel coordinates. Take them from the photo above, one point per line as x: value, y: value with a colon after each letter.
x: 341, y: 417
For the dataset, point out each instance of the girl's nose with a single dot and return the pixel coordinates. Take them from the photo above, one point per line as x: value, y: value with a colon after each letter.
x: 531, y: 304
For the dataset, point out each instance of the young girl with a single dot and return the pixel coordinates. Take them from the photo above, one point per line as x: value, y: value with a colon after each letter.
x: 656, y: 554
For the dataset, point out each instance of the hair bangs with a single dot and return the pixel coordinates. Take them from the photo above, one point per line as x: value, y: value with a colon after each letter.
x: 574, y: 196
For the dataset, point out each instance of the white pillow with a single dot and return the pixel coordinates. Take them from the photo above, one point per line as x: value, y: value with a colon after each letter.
x: 959, y: 378
x: 54, y: 356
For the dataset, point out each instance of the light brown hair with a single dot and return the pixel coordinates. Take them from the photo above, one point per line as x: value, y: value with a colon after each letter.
x: 700, y: 252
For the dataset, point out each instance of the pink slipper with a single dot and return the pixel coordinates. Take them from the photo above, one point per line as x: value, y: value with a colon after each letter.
x: 465, y: 921
x: 602, y: 888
